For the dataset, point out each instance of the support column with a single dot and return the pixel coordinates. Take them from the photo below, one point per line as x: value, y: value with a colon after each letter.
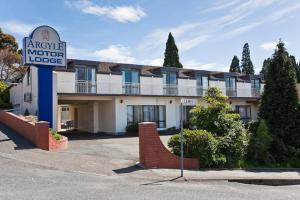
x: 45, y: 94
x: 96, y: 117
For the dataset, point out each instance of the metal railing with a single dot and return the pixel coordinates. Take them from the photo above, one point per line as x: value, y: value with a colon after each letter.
x: 86, y: 87
x: 231, y: 92
x: 255, y: 92
x: 201, y: 91
x: 170, y: 89
x: 131, y: 88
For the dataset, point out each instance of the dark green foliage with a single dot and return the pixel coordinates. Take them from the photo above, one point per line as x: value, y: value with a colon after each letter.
x: 259, y: 146
x: 171, y: 54
x: 279, y: 105
x: 133, y: 128
x: 246, y: 63
x: 298, y: 72
x: 264, y: 69
x: 197, y: 144
x: 235, y: 65
x: 4, y: 96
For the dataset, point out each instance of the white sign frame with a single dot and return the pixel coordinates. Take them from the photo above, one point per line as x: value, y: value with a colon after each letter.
x: 44, y: 47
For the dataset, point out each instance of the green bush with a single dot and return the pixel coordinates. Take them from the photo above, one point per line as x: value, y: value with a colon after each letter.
x: 220, y: 119
x: 198, y: 144
x: 132, y: 128
x: 56, y: 135
x: 4, y: 96
x: 260, y: 143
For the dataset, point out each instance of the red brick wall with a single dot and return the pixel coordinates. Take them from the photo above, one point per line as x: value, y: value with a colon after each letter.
x: 153, y: 154
x: 37, y: 133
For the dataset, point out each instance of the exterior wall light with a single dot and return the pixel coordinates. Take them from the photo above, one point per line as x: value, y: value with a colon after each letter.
x: 170, y: 101
x: 121, y: 101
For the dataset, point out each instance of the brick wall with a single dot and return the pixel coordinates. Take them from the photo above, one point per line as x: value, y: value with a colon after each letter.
x: 37, y: 133
x: 153, y: 154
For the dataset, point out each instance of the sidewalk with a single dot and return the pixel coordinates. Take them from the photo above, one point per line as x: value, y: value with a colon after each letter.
x: 236, y: 174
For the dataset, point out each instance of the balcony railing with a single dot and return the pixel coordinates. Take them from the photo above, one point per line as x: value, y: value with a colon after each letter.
x: 255, y: 92
x: 86, y: 87
x: 231, y: 92
x: 201, y: 91
x: 131, y: 88
x: 171, y: 89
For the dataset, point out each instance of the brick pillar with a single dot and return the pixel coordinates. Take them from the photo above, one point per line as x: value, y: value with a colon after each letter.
x: 42, y: 135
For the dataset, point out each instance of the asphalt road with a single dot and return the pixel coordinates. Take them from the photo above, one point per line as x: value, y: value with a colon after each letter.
x: 30, y: 173
x: 21, y: 180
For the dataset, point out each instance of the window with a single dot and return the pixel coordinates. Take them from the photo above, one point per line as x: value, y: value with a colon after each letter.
x: 170, y: 83
x: 245, y: 112
x: 85, y: 79
x: 131, y: 82
x: 28, y: 81
x: 146, y: 113
x: 202, y: 84
x: 255, y: 87
x: 230, y: 86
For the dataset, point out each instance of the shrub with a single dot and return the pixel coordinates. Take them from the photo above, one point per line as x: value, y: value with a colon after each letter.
x: 260, y: 143
x: 132, y: 128
x: 219, y: 119
x: 198, y: 144
x: 4, y: 96
x: 56, y: 135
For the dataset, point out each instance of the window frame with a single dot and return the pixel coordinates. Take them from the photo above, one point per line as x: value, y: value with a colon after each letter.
x: 249, y: 115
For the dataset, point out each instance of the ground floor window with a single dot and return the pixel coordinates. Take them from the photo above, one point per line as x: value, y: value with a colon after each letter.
x: 147, y: 113
x: 245, y: 112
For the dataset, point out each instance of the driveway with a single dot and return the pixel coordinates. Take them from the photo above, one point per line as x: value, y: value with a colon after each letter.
x: 87, y: 153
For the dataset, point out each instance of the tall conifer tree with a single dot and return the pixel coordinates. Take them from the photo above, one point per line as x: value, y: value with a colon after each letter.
x: 171, y: 53
x: 279, y: 105
x: 235, y: 65
x: 246, y: 63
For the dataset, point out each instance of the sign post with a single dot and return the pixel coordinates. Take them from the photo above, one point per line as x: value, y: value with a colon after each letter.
x: 184, y: 102
x: 44, y: 49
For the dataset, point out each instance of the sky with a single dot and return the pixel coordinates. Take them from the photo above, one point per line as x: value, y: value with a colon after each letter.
x: 208, y: 33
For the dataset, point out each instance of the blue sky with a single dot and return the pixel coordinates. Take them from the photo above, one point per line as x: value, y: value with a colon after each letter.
x: 207, y: 33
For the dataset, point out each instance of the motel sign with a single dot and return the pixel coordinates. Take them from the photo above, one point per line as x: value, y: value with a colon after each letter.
x: 43, y: 47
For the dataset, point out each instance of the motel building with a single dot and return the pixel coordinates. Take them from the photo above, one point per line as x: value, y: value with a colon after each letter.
x: 106, y: 97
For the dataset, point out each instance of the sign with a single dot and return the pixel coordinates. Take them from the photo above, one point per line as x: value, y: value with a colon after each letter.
x: 189, y: 102
x: 43, y: 47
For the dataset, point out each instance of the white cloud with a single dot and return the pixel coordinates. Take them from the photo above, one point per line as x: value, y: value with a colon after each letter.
x: 123, y: 14
x: 113, y: 53
x: 17, y: 27
x: 269, y: 46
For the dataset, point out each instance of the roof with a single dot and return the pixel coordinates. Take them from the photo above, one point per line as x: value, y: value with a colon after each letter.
x: 148, y: 70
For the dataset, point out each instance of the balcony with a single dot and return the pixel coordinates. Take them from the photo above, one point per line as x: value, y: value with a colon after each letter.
x: 85, y: 87
x: 201, y: 91
x: 231, y: 92
x: 255, y: 92
x: 171, y: 89
x: 131, y: 88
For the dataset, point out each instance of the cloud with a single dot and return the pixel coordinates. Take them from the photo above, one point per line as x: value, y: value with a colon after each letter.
x: 17, y: 27
x: 113, y: 53
x: 122, y: 14
x: 268, y: 46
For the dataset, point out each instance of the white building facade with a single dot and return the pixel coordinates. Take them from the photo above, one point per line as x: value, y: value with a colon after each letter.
x: 107, y: 97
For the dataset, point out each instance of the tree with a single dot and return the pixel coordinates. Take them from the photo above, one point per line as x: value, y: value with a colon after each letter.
x: 8, y: 41
x: 279, y: 104
x: 171, y: 53
x: 264, y: 69
x: 246, y: 64
x: 10, y: 58
x: 235, y: 65
x: 298, y: 72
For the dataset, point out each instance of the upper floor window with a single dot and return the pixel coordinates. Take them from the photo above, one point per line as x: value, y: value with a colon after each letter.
x: 230, y: 83
x: 202, y: 84
x: 131, y: 81
x: 85, y: 79
x: 170, y: 83
x: 255, y: 87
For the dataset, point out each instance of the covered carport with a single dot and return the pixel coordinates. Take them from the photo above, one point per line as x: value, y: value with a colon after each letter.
x: 87, y: 113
